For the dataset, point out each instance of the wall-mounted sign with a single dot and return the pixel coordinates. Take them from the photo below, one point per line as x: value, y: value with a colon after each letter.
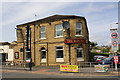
x: 114, y: 35
x: 69, y: 68
x: 16, y: 55
x: 75, y: 41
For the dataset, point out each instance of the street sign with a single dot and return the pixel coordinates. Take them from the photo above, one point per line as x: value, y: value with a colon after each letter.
x: 114, y: 39
x: 114, y: 35
x: 114, y: 43
x: 115, y: 59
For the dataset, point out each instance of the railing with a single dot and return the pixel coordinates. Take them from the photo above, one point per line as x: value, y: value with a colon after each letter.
x: 15, y: 65
x: 89, y: 68
x: 84, y: 67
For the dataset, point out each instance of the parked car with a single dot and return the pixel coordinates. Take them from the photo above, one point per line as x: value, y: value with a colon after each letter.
x: 109, y: 61
x: 98, y: 58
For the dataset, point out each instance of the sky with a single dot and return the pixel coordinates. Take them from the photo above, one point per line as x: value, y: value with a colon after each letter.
x: 100, y: 16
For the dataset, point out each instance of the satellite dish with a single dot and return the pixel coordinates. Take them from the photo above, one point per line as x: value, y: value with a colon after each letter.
x: 66, y: 25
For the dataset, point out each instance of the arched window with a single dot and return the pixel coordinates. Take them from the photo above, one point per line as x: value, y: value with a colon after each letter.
x: 43, y: 54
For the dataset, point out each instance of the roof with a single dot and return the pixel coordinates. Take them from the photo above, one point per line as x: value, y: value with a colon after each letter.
x: 53, y: 18
x: 4, y: 43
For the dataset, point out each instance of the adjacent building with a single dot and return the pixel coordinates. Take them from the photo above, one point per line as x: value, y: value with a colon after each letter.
x: 6, y: 52
x: 54, y: 40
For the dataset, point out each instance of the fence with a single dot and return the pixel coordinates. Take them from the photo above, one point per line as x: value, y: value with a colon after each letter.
x: 15, y: 65
x: 92, y: 68
x: 83, y: 67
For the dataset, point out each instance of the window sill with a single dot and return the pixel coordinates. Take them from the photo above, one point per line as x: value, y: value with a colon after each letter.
x: 59, y: 60
x: 80, y: 59
x: 79, y: 35
x: 42, y: 38
x: 43, y: 60
x: 58, y: 37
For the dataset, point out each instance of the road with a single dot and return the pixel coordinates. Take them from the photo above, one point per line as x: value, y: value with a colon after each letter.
x: 8, y: 75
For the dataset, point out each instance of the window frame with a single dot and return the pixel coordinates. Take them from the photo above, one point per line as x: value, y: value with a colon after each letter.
x: 56, y: 31
x: 42, y: 32
x: 59, y: 59
x: 79, y: 29
x: 80, y: 58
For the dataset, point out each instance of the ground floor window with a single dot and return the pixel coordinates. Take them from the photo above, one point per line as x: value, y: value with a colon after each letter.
x: 59, y: 53
x: 79, y: 54
x: 43, y: 55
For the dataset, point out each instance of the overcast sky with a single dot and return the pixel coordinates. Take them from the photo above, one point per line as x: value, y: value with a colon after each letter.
x: 99, y: 16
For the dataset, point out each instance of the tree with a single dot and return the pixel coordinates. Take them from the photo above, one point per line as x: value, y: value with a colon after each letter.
x: 92, y: 44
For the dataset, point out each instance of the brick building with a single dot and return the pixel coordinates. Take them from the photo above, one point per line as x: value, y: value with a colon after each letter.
x: 58, y: 39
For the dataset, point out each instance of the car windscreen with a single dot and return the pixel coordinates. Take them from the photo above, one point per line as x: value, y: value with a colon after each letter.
x: 107, y: 59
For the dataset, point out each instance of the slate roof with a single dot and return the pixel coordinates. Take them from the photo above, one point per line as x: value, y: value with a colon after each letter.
x: 53, y: 18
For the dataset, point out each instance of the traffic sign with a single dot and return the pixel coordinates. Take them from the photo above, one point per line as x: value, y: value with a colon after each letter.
x: 115, y: 59
x: 114, y: 35
x: 114, y: 43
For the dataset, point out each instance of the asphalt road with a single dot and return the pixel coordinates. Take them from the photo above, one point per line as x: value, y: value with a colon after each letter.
x: 32, y: 76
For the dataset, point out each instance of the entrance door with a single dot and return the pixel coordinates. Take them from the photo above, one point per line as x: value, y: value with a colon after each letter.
x: 79, y: 53
x: 4, y: 57
x: 43, y: 55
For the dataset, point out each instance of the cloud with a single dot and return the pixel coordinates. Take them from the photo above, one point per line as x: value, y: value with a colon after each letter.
x: 99, y: 16
x: 93, y: 8
x: 27, y: 11
x: 60, y: 0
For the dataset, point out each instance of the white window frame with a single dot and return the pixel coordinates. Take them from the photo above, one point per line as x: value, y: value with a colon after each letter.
x: 58, y: 30
x: 80, y: 58
x: 59, y: 59
x: 77, y: 35
x: 43, y: 32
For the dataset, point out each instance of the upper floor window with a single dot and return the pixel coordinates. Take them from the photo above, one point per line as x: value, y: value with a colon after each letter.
x: 43, y: 32
x: 78, y: 28
x: 59, y: 30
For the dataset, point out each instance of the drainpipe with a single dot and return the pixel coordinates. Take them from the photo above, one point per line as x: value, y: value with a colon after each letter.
x: 34, y: 47
x: 47, y: 55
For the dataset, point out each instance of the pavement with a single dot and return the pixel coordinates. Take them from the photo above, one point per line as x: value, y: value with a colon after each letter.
x: 55, y: 71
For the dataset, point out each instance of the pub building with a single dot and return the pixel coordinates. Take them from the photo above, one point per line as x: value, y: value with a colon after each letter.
x: 54, y: 40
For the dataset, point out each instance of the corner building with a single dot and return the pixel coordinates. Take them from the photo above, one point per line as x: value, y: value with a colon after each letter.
x: 58, y: 39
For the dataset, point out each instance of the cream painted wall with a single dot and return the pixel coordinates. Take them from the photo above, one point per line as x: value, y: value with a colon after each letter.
x: 5, y: 49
